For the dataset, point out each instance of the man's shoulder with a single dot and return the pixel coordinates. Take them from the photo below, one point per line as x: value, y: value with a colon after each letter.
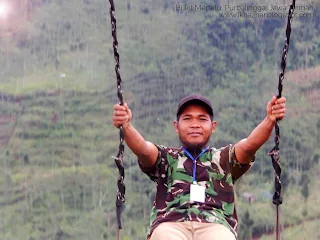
x: 173, y: 151
x: 222, y: 154
x: 221, y: 149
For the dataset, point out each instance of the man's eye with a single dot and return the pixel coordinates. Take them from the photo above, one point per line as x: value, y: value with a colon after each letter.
x: 203, y: 119
x: 186, y: 118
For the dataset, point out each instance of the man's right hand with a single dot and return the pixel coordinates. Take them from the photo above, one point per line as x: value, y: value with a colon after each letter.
x: 146, y: 152
x: 122, y: 115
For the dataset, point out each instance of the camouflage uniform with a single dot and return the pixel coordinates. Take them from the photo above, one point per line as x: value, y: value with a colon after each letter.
x: 217, y: 170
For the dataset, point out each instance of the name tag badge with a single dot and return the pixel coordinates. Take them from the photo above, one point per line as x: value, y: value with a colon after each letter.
x: 197, y: 193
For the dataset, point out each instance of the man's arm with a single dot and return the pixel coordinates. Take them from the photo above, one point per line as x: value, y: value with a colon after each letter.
x: 146, y: 152
x: 246, y: 148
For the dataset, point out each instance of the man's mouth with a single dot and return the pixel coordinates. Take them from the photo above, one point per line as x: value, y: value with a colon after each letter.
x: 194, y: 133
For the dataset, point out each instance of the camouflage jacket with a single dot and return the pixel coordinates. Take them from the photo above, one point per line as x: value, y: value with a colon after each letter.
x: 217, y: 170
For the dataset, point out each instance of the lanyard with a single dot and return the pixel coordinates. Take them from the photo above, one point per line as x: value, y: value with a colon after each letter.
x: 194, y: 160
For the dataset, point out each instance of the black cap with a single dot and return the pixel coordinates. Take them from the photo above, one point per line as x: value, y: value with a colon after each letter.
x: 195, y: 98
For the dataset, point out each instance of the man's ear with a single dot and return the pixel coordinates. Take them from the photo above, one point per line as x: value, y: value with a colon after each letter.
x: 176, y: 128
x: 214, y: 125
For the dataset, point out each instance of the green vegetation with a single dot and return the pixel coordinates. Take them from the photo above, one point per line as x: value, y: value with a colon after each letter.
x: 57, y: 90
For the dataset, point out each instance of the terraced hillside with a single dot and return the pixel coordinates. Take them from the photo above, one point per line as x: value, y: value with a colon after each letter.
x: 55, y: 161
x: 58, y: 87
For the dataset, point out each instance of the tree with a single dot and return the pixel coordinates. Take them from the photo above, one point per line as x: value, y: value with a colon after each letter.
x: 247, y: 223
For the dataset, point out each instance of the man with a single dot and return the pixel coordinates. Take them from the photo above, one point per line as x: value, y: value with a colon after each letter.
x: 195, y: 195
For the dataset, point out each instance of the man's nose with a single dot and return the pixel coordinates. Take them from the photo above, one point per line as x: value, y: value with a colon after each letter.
x: 195, y: 124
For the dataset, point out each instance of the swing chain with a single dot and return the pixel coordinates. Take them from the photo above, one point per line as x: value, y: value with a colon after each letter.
x: 275, y: 152
x: 119, y: 158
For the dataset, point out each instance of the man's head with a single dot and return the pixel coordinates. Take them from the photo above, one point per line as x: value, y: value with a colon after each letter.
x: 195, y: 99
x: 194, y: 121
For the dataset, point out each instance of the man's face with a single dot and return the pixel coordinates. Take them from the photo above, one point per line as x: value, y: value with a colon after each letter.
x: 194, y: 126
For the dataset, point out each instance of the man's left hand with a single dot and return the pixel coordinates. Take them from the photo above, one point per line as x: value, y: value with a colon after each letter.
x: 276, y: 108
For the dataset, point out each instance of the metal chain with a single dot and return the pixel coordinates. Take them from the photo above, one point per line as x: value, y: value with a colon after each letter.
x: 275, y: 152
x: 119, y: 158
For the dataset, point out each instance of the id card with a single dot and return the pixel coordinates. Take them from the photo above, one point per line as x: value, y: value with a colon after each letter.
x: 197, y: 193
